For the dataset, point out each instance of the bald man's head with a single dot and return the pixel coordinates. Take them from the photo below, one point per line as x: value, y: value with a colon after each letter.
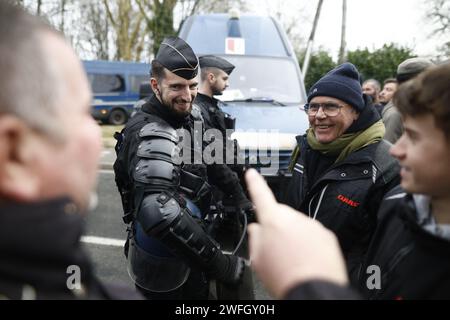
x: 24, y: 64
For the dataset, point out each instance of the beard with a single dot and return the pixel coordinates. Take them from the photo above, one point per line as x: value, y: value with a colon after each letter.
x: 171, y: 106
x: 217, y: 91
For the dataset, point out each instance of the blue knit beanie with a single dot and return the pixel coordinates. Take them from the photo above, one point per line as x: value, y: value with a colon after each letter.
x: 343, y: 83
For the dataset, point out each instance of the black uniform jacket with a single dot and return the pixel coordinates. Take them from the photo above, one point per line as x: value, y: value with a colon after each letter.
x: 212, y: 115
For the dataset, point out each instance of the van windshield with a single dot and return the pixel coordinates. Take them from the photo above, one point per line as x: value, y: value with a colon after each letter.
x: 259, y: 78
x: 208, y: 32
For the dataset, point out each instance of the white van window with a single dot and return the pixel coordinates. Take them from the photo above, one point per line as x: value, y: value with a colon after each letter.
x: 106, y: 83
x: 137, y: 80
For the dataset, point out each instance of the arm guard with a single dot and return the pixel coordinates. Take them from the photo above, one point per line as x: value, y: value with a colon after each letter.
x: 168, y: 220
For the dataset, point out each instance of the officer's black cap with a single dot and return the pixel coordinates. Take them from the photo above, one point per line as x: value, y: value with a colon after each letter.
x: 178, y: 57
x: 210, y: 61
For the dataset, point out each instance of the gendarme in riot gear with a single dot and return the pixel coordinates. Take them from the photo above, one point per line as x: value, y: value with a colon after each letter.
x: 166, y: 193
x: 214, y: 74
x: 214, y: 80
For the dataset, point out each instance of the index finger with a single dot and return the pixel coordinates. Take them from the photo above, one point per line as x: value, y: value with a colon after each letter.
x: 260, y: 193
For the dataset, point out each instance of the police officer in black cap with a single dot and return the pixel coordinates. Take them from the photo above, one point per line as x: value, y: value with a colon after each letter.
x: 214, y: 75
x: 170, y: 255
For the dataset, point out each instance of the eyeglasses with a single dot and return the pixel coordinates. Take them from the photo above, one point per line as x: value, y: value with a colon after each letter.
x: 330, y: 109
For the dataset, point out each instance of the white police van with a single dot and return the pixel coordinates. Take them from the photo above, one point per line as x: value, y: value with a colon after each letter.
x: 266, y: 90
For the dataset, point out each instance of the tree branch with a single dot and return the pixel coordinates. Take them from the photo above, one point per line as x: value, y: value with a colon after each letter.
x: 143, y: 11
x: 109, y: 13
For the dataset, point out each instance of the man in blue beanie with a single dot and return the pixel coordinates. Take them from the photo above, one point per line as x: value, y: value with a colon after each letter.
x: 341, y: 167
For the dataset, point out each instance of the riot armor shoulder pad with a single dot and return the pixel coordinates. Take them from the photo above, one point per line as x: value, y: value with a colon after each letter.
x: 158, y: 148
x: 157, y: 173
x: 158, y: 155
x: 159, y: 129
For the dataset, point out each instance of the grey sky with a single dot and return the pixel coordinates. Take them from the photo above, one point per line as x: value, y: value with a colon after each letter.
x: 370, y: 23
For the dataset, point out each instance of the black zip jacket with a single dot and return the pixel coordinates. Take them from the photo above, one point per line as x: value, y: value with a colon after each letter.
x: 321, y: 290
x: 414, y: 263
x: 40, y: 249
x: 344, y: 196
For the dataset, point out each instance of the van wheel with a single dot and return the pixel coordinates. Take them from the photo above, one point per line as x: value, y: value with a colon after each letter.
x: 117, y: 117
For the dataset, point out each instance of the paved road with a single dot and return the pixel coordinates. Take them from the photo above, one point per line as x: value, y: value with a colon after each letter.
x: 108, y: 230
x: 105, y: 231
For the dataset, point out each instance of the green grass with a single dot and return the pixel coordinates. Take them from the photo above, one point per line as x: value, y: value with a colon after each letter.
x: 108, y: 130
x: 108, y: 135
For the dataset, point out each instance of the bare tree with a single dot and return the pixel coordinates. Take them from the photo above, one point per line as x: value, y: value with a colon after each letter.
x: 188, y: 8
x: 63, y: 4
x: 38, y: 7
x: 158, y: 15
x: 341, y: 57
x: 289, y: 19
x: 19, y: 2
x: 311, y: 39
x: 93, y: 35
x: 128, y: 24
x: 221, y: 6
x: 53, y: 11
x: 439, y: 14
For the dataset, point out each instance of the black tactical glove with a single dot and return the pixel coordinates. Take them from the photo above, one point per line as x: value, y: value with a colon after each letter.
x: 228, y: 269
x: 244, y: 204
x: 240, y: 205
x: 251, y: 214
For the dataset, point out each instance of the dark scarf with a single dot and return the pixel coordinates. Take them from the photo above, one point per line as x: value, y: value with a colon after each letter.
x: 38, y: 242
x: 368, y: 116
